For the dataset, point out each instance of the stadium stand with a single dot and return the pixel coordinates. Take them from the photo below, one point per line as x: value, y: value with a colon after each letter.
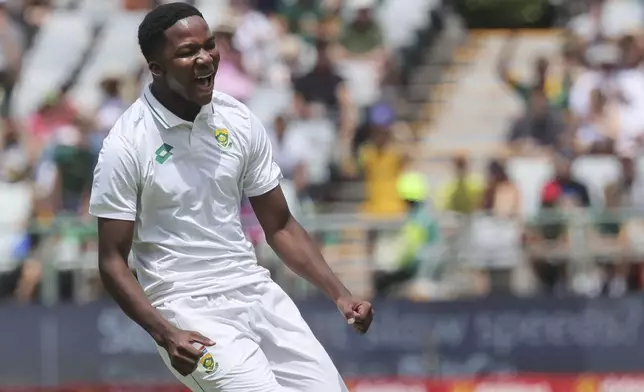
x: 65, y: 37
x: 429, y: 161
x: 439, y: 73
x: 115, y: 53
x: 93, y: 40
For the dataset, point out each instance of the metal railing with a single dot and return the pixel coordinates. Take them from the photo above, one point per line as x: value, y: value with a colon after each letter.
x: 578, y: 237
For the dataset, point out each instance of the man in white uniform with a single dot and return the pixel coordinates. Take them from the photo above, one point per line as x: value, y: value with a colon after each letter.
x: 168, y: 186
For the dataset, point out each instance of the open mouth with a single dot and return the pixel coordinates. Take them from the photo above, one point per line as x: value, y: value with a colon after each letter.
x: 205, y: 82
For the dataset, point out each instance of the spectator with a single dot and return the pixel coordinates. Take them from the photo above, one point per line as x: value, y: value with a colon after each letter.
x: 302, y: 17
x: 290, y: 151
x: 462, y: 193
x: 623, y: 200
x: 540, y: 127
x: 550, y: 230
x: 588, y: 26
x: 501, y: 197
x: 231, y: 77
x: 495, y: 237
x: 297, y: 58
x: 323, y: 88
x: 623, y: 90
x: 267, y: 7
x: 255, y: 38
x: 55, y: 112
x: 331, y: 26
x: 563, y: 186
x: 29, y: 272
x: 110, y: 109
x: 597, y: 132
x: 382, y: 162
x: 620, y: 279
x: 15, y: 162
x: 12, y: 43
x: 419, y: 230
x: 74, y: 159
x: 554, y: 88
x: 362, y: 37
x: 30, y: 15
x: 631, y: 52
x: 609, y: 19
x: 627, y: 192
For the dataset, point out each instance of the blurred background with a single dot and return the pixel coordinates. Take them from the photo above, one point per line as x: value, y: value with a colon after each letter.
x: 471, y: 166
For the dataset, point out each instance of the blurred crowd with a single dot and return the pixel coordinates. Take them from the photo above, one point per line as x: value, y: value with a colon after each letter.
x: 289, y: 45
x: 329, y: 61
x: 582, y: 127
x: 587, y: 100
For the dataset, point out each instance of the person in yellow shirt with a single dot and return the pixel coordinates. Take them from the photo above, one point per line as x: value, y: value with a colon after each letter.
x: 463, y: 193
x: 382, y: 163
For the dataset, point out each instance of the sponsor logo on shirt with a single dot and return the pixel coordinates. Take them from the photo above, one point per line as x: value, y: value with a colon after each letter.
x: 163, y: 153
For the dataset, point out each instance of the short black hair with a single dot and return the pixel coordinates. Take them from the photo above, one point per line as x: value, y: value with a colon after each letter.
x: 156, y: 22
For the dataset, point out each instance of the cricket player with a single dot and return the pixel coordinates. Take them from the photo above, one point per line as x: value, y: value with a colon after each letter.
x: 168, y: 186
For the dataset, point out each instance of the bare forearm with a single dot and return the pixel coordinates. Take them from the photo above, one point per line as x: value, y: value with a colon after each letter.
x: 123, y: 287
x: 300, y: 254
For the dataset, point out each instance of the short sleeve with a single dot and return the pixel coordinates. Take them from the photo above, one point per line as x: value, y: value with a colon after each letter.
x: 116, y: 178
x: 262, y: 173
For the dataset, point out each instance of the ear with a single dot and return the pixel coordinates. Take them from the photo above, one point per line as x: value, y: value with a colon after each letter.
x: 156, y: 69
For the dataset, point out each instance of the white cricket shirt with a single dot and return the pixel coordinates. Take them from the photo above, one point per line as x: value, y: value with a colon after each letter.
x: 182, y: 184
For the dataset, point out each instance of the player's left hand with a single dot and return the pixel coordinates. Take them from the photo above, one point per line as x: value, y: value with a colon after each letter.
x: 358, y: 314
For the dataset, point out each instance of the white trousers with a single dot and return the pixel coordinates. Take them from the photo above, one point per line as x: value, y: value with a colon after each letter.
x: 262, y: 343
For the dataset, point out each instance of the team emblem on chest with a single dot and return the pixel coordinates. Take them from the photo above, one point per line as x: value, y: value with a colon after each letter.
x: 223, y: 138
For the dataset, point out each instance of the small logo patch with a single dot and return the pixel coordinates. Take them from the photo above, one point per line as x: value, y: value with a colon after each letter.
x: 208, y: 362
x: 223, y: 138
x: 163, y: 153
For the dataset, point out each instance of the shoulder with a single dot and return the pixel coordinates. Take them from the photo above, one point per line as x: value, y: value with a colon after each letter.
x: 129, y: 129
x: 231, y: 109
x: 243, y: 123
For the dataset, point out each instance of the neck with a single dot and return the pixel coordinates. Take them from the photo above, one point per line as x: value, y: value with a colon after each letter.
x: 175, y: 103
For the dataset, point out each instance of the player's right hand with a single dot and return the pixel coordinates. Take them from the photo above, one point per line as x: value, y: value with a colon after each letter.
x: 181, y: 347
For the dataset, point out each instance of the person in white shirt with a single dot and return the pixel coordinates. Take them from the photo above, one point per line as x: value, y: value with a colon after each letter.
x: 623, y: 89
x: 168, y: 187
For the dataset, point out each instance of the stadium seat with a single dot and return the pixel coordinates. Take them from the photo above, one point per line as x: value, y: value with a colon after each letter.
x: 59, y: 47
x: 530, y: 174
x: 117, y: 53
x: 494, y: 243
x: 481, y: 96
x: 99, y: 9
x: 596, y: 173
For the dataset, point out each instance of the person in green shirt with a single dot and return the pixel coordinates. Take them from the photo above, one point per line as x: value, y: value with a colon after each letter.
x: 74, y: 160
x: 419, y: 229
x: 556, y: 88
x: 362, y: 37
x: 302, y: 17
